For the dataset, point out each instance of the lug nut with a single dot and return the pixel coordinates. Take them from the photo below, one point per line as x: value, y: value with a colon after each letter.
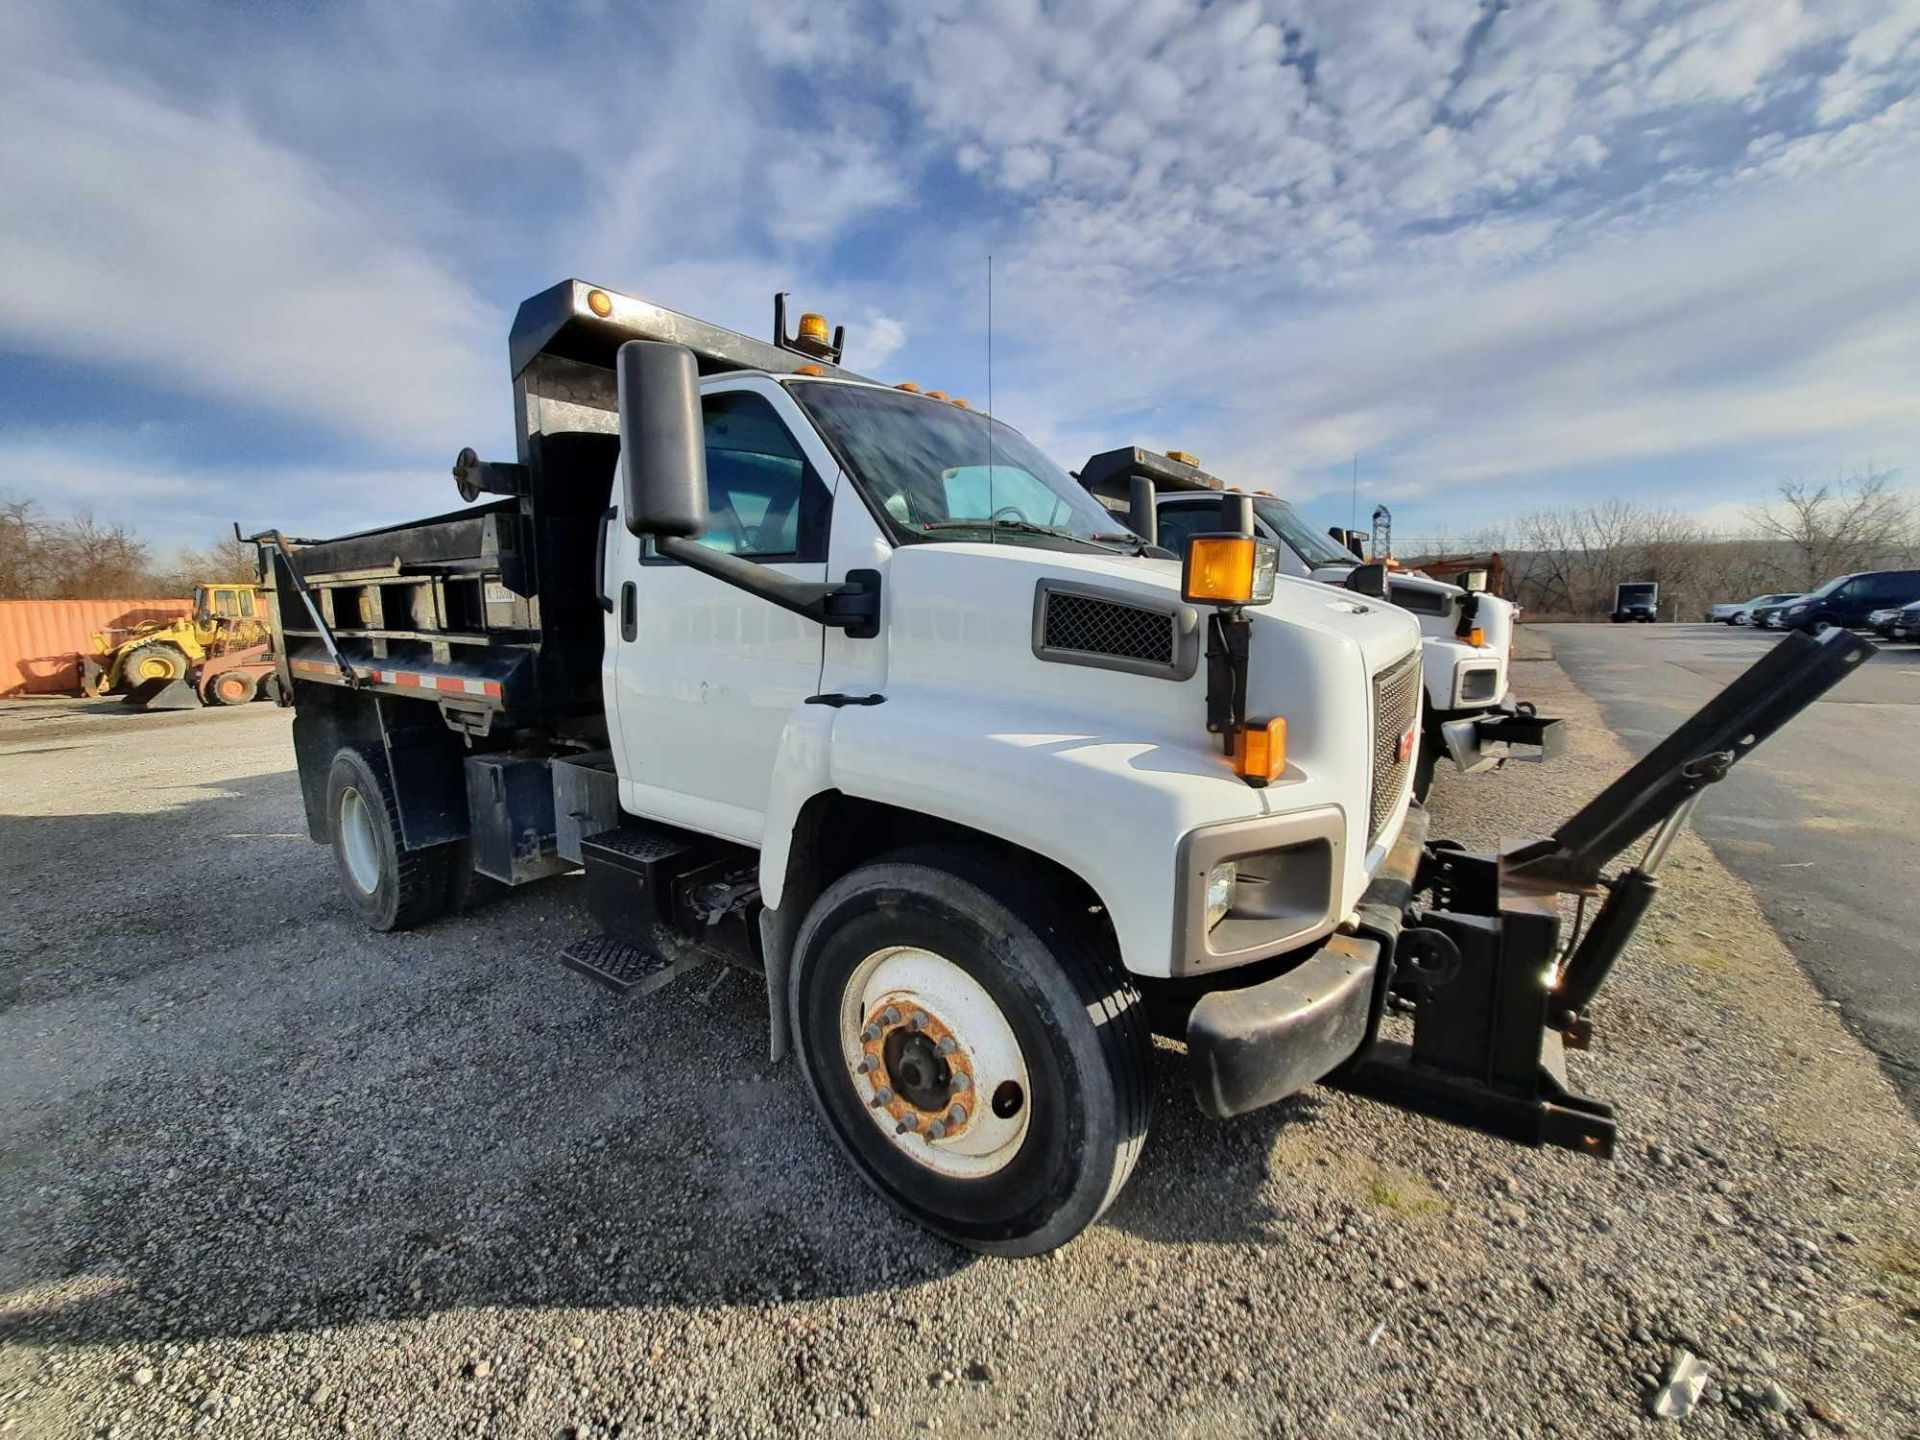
x: 917, y: 1021
x: 948, y: 1045
x: 960, y: 1083
x: 891, y: 1014
x: 910, y: 1122
x: 936, y: 1130
x: 872, y: 1033
x: 957, y: 1115
x: 866, y: 1066
x: 882, y: 1096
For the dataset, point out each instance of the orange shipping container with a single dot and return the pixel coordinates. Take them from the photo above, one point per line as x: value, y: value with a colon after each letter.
x: 41, y: 641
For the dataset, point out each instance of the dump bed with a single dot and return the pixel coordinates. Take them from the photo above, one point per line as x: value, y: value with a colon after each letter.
x: 488, y: 610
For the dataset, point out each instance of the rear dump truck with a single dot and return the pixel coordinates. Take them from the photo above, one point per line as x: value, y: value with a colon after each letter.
x: 850, y: 686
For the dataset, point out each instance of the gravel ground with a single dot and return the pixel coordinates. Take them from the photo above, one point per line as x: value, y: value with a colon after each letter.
x: 268, y: 1174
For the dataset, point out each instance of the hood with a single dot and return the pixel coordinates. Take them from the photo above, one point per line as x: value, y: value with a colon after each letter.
x: 964, y: 614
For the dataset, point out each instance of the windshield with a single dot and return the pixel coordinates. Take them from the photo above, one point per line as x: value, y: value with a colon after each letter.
x: 941, y: 472
x: 1828, y: 588
x: 1636, y: 592
x: 1305, y: 541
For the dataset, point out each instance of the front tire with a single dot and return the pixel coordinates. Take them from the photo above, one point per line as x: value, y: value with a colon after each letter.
x: 974, y: 1049
x: 152, y: 662
x: 392, y: 888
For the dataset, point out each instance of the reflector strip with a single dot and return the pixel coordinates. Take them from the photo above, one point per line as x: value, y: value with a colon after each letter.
x: 403, y: 679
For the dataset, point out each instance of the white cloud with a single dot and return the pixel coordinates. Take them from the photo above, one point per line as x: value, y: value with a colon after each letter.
x: 185, y: 248
x: 1472, y: 241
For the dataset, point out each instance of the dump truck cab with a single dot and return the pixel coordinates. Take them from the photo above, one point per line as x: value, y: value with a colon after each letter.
x: 1467, y: 634
x: 851, y: 686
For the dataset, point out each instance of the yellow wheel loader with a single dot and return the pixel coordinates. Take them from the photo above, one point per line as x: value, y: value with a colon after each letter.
x: 226, y: 617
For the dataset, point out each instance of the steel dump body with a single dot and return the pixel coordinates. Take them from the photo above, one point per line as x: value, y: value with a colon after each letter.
x: 488, y: 609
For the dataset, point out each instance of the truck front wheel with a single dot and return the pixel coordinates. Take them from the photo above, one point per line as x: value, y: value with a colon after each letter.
x: 393, y: 888
x: 972, y: 1047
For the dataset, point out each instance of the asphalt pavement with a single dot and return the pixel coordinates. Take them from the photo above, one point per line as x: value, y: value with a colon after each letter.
x: 1821, y: 821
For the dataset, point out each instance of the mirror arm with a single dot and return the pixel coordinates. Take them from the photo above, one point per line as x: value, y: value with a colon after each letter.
x: 853, y: 606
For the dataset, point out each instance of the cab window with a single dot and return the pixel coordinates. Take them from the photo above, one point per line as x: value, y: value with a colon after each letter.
x: 225, y: 602
x: 1180, y: 521
x: 246, y: 603
x: 764, y: 501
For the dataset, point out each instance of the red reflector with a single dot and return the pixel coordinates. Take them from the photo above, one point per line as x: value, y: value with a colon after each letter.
x: 1405, y: 747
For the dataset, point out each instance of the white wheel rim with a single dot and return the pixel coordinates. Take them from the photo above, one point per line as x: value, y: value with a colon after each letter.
x: 932, y: 1000
x: 358, y: 841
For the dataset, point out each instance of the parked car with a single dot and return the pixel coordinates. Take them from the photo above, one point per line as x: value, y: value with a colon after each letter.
x: 1767, y: 617
x: 1881, y: 621
x: 1740, y: 612
x: 1906, y: 623
x: 1849, y: 599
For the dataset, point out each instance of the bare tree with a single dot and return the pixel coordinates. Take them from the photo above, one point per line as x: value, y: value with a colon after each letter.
x: 19, y: 549
x: 225, y: 559
x: 1854, y: 523
x: 82, y: 559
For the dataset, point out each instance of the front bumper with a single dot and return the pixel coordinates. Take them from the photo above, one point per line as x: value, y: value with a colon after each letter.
x: 1468, y: 740
x: 1253, y: 1046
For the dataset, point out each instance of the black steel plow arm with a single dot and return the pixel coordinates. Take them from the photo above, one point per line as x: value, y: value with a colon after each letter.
x: 1790, y: 677
x: 1496, y: 998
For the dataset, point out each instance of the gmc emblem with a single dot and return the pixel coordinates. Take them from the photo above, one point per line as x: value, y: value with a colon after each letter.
x: 1405, y: 747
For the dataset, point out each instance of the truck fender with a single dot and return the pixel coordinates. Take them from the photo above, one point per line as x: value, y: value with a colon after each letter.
x: 801, y: 771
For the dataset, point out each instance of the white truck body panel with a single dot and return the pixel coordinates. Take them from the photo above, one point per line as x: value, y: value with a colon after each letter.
x: 1102, y: 771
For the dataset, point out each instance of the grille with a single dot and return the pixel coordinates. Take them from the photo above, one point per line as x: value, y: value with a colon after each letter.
x: 1105, y: 627
x: 1396, y: 695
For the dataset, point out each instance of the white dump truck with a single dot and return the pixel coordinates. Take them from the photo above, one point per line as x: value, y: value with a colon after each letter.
x: 1466, y: 634
x: 852, y: 687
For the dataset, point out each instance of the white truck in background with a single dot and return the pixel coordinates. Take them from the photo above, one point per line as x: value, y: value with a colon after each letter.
x: 853, y: 688
x: 1466, y: 634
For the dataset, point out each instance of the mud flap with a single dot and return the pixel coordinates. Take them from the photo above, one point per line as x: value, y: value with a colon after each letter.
x: 161, y: 694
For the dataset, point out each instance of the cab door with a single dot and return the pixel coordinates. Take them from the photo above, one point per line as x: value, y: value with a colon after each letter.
x: 705, y: 675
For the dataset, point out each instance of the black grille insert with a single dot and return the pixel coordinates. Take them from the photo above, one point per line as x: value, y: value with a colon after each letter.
x: 1104, y: 627
x: 1396, y: 698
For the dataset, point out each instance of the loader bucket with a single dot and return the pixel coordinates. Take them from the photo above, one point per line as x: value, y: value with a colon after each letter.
x: 163, y: 695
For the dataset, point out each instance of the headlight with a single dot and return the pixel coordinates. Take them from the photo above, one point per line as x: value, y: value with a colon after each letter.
x: 1220, y: 882
x: 1796, y: 610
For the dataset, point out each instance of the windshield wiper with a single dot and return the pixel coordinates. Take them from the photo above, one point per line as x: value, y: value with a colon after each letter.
x: 1028, y: 527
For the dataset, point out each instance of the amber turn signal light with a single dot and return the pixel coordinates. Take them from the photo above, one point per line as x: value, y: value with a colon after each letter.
x: 1260, y: 751
x: 1476, y: 637
x: 1228, y: 570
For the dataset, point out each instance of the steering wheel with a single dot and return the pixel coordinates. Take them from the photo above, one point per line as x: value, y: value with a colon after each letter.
x: 1013, y: 510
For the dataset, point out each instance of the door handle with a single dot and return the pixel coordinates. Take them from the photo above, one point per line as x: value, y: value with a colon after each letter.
x: 629, y: 612
x: 600, y: 562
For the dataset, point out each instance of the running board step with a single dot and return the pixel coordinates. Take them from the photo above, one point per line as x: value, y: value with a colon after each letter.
x: 625, y: 969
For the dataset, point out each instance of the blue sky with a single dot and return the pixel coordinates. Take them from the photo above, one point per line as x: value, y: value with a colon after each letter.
x: 258, y: 262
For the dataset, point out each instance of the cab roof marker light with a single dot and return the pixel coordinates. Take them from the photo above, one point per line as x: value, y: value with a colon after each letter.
x: 600, y: 303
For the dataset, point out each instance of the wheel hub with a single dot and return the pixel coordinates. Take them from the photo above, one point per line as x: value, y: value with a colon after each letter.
x: 925, y: 1045
x: 916, y: 1062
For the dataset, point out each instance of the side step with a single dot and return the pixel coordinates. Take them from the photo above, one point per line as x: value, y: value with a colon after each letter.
x: 625, y: 969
